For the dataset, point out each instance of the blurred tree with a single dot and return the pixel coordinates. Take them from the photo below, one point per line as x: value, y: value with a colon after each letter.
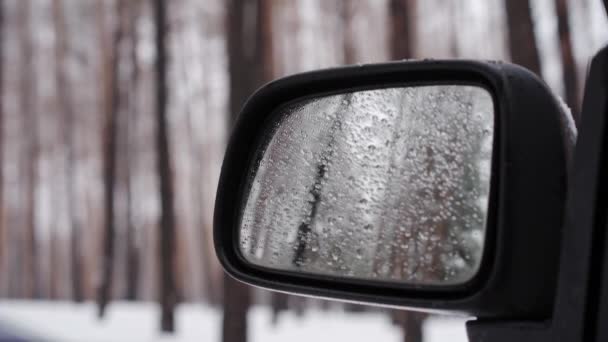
x: 2, y: 144
x: 249, y: 65
x: 132, y: 262
x: 168, y: 293
x: 111, y: 94
x: 64, y: 98
x: 347, y: 12
x: 569, y: 66
x: 250, y: 51
x: 402, y: 32
x: 279, y: 302
x: 521, y: 37
x: 402, y: 28
x: 411, y: 324
x: 29, y: 154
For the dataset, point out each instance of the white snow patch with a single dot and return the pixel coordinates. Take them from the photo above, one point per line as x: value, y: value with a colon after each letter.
x: 138, y: 322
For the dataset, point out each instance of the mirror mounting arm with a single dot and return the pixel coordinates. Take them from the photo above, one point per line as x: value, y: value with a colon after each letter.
x: 582, y: 291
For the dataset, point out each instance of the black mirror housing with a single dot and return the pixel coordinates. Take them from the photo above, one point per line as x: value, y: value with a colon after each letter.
x: 532, y: 142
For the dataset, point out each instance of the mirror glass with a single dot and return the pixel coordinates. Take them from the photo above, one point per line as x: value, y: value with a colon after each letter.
x: 388, y: 184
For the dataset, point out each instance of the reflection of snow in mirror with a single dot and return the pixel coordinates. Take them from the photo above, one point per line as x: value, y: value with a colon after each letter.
x: 388, y: 184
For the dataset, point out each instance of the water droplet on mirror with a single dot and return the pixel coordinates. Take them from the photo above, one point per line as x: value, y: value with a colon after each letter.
x: 359, y: 253
x: 336, y: 252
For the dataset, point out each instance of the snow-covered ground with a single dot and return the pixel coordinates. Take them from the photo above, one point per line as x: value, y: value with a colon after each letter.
x: 67, y: 322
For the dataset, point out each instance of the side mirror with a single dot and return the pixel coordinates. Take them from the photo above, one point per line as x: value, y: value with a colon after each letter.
x: 431, y: 185
x: 390, y: 185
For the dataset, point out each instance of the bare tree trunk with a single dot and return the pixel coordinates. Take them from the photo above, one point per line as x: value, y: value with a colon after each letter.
x: 347, y: 11
x: 55, y: 261
x: 402, y: 28
x: 111, y: 102
x: 2, y: 146
x: 454, y: 9
x: 168, y: 294
x: 244, y: 78
x: 264, y: 46
x: 402, y: 33
x: 210, y: 290
x: 569, y: 66
x: 413, y: 327
x: 236, y: 296
x: 66, y: 106
x: 132, y: 263
x: 266, y: 72
x: 29, y: 154
x: 522, y: 42
x: 132, y: 267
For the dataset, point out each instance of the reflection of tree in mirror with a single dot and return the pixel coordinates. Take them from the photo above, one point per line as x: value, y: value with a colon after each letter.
x: 435, y: 203
x: 390, y: 184
x: 305, y: 235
